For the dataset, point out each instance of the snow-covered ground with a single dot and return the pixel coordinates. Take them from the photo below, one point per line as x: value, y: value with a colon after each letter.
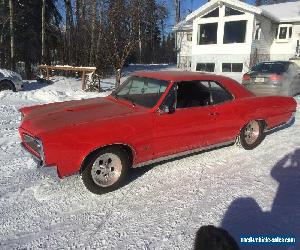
x: 161, y: 207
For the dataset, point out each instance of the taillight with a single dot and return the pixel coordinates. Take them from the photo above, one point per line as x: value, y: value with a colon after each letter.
x: 275, y: 77
x: 246, y: 77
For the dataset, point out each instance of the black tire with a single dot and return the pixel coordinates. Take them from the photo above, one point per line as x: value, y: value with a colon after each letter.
x: 249, y: 139
x: 94, y: 172
x: 7, y: 85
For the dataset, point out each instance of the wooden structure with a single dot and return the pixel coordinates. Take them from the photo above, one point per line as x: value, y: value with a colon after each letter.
x: 84, y: 71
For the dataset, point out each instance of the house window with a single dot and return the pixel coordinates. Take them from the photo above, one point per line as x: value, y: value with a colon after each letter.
x: 207, y: 33
x: 232, y: 12
x: 232, y: 67
x: 189, y: 37
x: 235, y: 32
x: 214, y: 13
x: 208, y: 67
x: 284, y: 32
x: 257, y: 32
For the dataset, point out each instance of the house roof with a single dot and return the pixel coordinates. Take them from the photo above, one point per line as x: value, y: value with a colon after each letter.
x: 282, y: 12
x: 214, y: 3
x: 285, y: 12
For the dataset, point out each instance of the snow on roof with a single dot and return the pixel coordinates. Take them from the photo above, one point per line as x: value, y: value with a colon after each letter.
x: 183, y: 25
x: 8, y: 73
x: 284, y: 12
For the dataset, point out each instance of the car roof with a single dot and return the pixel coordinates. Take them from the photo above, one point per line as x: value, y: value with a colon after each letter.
x: 176, y: 76
x: 181, y: 76
x: 276, y: 62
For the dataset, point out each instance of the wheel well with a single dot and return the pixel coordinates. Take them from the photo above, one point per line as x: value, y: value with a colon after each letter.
x: 262, y: 121
x: 129, y: 151
x: 10, y: 82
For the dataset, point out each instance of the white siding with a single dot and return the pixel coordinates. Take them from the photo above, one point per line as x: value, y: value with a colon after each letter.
x: 284, y: 50
x: 223, y: 53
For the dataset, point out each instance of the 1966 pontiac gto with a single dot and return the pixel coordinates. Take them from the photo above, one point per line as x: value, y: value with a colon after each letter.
x: 150, y: 117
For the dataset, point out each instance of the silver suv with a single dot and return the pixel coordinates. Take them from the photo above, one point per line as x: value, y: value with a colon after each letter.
x: 10, y: 80
x: 273, y: 78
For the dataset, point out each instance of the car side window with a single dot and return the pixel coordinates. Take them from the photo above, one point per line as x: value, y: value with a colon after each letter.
x: 193, y: 94
x: 219, y: 94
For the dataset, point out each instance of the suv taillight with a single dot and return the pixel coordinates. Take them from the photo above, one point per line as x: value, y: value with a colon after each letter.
x: 246, y: 77
x: 275, y: 77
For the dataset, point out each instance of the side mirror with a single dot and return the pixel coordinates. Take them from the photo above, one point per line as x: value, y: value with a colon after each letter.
x: 164, y: 109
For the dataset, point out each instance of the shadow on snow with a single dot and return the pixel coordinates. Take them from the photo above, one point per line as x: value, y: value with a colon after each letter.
x: 245, y: 217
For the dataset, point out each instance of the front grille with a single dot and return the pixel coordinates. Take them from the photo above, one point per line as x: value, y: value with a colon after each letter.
x: 32, y: 143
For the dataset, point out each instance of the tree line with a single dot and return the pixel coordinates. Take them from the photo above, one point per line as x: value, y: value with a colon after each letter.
x: 107, y: 34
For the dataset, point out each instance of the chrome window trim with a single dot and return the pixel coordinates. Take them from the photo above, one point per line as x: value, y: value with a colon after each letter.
x: 184, y: 153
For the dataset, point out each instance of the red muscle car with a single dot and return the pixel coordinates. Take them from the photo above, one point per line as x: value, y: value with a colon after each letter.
x: 150, y: 117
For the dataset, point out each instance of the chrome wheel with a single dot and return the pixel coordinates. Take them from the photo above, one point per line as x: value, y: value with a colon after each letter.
x: 106, y: 169
x: 252, y: 132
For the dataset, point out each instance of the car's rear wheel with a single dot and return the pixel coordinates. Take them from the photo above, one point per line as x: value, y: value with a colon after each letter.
x: 106, y: 170
x: 251, y: 135
x: 7, y: 85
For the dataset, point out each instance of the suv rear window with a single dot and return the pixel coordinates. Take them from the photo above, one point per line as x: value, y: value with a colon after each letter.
x: 271, y: 67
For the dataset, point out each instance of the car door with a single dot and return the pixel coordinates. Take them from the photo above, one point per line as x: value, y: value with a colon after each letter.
x: 181, y: 129
x: 225, y: 125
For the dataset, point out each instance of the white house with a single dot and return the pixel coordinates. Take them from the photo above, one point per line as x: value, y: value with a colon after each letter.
x: 229, y: 36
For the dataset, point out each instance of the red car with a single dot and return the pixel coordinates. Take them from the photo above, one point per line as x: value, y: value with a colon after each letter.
x: 150, y: 117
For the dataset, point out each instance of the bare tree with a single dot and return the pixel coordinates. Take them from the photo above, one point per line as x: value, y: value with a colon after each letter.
x: 121, y: 33
x: 93, y: 45
x: 43, y: 29
x: 177, y: 4
x: 69, y: 30
x: 12, y: 35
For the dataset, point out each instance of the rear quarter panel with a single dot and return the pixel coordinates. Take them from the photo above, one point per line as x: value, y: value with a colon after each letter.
x: 274, y: 110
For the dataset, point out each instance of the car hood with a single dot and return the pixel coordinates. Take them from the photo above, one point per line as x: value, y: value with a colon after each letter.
x: 42, y: 118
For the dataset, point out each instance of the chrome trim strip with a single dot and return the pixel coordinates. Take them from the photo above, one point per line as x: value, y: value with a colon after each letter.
x: 188, y: 152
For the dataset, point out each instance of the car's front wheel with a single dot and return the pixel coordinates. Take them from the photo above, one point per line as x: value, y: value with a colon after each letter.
x: 106, y: 170
x: 251, y: 135
x: 7, y: 85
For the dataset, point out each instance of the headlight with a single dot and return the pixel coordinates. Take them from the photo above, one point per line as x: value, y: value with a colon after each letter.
x: 35, y: 144
x: 22, y: 116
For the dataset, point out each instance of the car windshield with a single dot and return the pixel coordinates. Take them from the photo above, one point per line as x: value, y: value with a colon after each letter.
x: 270, y: 68
x: 142, y: 91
